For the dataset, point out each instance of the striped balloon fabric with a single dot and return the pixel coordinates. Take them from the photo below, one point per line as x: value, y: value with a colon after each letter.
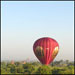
x: 46, y: 49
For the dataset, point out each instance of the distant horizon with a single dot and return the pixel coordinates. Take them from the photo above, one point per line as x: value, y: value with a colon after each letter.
x: 35, y: 60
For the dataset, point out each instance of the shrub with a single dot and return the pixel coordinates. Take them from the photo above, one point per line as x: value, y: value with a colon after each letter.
x: 44, y: 70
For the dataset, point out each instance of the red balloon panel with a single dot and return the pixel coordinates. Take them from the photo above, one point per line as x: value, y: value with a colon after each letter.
x: 46, y: 49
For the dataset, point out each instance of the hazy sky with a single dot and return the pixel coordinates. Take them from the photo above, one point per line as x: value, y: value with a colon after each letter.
x: 22, y: 23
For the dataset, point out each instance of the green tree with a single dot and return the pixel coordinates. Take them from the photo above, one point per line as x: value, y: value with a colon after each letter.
x: 36, y: 63
x: 17, y: 63
x: 3, y: 64
x: 8, y: 70
x: 66, y: 70
x: 12, y: 68
x: 20, y: 69
x: 44, y: 70
x: 55, y: 70
x: 28, y: 68
x: 3, y: 71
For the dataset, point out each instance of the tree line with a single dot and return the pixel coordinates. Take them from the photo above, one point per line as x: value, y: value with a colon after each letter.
x: 56, y: 67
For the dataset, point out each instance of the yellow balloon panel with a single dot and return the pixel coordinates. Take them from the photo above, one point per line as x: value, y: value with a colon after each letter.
x: 55, y: 52
x: 39, y: 51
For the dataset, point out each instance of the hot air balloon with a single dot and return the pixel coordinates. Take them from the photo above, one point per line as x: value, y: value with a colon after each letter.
x: 46, y: 49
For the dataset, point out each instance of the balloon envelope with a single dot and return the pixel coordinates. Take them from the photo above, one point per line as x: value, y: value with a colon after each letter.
x: 46, y: 49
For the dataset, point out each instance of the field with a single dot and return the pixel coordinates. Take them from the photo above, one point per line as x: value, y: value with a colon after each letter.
x: 19, y: 67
